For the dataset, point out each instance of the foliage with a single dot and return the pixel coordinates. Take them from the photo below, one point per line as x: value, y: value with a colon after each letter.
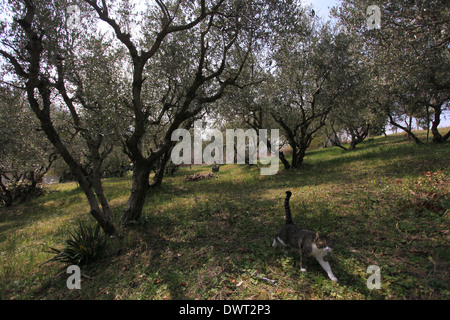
x: 311, y: 76
x: 85, y: 245
x: 25, y: 155
x: 408, y: 57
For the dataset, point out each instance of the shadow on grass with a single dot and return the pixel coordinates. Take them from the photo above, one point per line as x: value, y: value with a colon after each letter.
x: 44, y: 208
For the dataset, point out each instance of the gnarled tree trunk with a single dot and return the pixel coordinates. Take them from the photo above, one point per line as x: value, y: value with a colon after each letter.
x: 136, y: 200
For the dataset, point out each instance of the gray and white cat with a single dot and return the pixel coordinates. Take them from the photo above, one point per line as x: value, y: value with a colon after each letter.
x: 308, y: 243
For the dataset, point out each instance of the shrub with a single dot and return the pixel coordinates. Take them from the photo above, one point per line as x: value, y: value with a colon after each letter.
x: 85, y: 245
x: 19, y: 192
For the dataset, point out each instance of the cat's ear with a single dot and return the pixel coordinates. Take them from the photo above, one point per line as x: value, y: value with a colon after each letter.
x: 317, y: 236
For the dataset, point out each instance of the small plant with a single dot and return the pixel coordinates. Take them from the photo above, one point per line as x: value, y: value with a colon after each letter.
x: 85, y: 245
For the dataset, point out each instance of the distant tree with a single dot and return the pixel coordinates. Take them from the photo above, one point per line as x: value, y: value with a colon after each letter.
x: 25, y: 155
x: 356, y: 114
x: 410, y: 58
x: 309, y: 76
x: 246, y: 107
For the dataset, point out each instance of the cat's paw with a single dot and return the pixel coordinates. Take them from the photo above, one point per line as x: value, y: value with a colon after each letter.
x: 303, y: 269
x: 333, y: 278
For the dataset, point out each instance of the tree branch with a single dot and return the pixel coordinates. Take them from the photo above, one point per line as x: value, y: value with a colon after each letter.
x: 17, y: 67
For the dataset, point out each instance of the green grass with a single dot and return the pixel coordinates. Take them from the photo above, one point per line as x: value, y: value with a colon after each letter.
x: 385, y: 204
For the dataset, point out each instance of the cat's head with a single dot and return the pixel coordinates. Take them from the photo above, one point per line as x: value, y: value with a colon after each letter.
x: 323, y: 242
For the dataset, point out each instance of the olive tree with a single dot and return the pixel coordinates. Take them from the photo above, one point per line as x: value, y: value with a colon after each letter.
x: 180, y: 60
x: 39, y: 51
x: 410, y: 58
x: 25, y: 155
x: 310, y: 75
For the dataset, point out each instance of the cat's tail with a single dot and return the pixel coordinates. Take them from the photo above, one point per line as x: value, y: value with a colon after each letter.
x: 287, y: 209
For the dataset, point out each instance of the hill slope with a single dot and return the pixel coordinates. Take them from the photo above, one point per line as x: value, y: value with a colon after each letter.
x: 385, y: 204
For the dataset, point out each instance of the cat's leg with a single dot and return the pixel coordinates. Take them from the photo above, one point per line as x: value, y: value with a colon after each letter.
x: 278, y: 241
x: 301, y: 262
x: 326, y: 266
x: 274, y: 243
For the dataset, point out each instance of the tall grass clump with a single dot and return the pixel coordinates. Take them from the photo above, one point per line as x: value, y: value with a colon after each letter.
x: 85, y: 245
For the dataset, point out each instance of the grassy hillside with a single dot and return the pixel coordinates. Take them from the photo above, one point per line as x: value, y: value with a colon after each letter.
x: 385, y: 204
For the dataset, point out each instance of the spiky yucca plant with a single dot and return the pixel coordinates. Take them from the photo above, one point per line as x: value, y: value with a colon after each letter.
x: 85, y: 245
